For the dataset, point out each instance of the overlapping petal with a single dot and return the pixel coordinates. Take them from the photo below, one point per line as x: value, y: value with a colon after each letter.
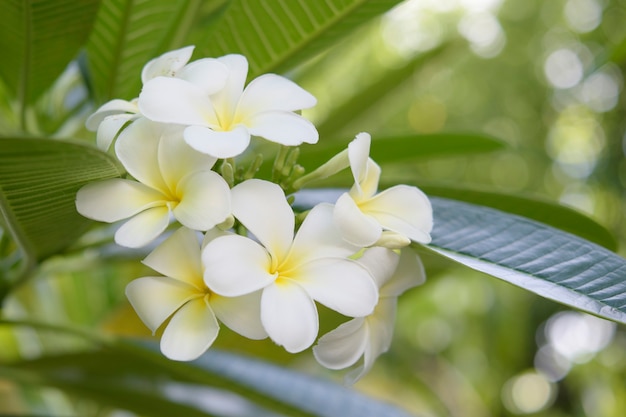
x: 356, y: 227
x: 271, y: 91
x: 342, y: 347
x: 173, y: 100
x: 137, y: 148
x: 111, y: 108
x: 166, y: 65
x: 115, y: 199
x: 241, y: 314
x: 236, y: 265
x: 220, y: 144
x: 178, y: 257
x: 143, y: 228
x: 282, y: 127
x: 110, y: 127
x: 227, y: 98
x: 262, y: 208
x: 208, y: 74
x: 204, y: 202
x: 289, y: 316
x: 190, y: 332
x: 403, y: 209
x: 176, y: 159
x: 156, y: 298
x: 340, y: 284
x: 409, y: 273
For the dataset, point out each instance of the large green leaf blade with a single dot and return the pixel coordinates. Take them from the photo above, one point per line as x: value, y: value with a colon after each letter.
x: 538, y: 258
x: 39, y: 179
x: 128, y: 33
x: 549, y: 262
x: 544, y: 211
x: 277, y: 35
x: 38, y: 38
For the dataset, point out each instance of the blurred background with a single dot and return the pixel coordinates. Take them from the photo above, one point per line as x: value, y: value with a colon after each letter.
x: 546, y: 77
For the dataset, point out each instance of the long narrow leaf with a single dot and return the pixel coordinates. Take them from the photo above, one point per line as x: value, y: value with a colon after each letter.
x: 551, y: 263
x: 127, y: 34
x: 275, y: 35
x: 38, y: 38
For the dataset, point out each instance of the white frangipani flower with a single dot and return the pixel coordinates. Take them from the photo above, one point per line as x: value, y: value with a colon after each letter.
x: 292, y: 272
x: 371, y: 336
x: 220, y: 122
x: 171, y: 178
x: 182, y: 295
x: 362, y: 213
x: 113, y: 115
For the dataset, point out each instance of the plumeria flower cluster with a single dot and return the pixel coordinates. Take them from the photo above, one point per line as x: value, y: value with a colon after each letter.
x: 234, y: 252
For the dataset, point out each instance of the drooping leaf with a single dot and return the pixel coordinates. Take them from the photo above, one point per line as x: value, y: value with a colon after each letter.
x: 544, y: 211
x: 140, y: 368
x: 38, y: 38
x: 128, y: 33
x: 39, y: 179
x: 549, y: 262
x: 277, y: 35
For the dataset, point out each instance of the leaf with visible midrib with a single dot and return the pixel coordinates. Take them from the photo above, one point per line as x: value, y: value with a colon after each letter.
x: 39, y: 179
x: 554, y: 264
x: 129, y: 33
x: 276, y: 35
x: 38, y: 38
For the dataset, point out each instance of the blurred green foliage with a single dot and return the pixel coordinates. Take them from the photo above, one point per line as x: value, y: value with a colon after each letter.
x: 547, y: 77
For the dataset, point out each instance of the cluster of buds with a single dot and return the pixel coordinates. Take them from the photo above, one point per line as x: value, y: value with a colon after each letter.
x: 240, y: 256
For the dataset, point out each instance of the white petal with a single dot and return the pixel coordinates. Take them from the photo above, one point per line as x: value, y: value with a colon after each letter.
x: 218, y: 144
x: 235, y: 265
x: 289, y: 316
x: 207, y: 74
x: 358, y: 154
x: 156, y: 298
x: 167, y: 64
x: 273, y: 92
x: 143, y: 228
x: 172, y: 100
x: 343, y: 346
x: 381, y: 263
x: 137, y: 149
x: 178, y: 257
x: 402, y: 209
x: 172, y: 150
x: 190, y: 332
x: 368, y: 186
x: 380, y: 333
x: 408, y: 274
x: 109, y: 128
x: 340, y: 284
x: 262, y: 208
x: 282, y: 127
x: 318, y: 237
x: 111, y: 108
x: 355, y: 227
x: 227, y: 98
x: 241, y: 314
x: 204, y: 201
x: 115, y: 199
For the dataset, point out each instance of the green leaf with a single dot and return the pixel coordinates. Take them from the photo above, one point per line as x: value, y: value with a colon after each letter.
x: 128, y: 33
x: 277, y: 35
x: 536, y: 257
x: 105, y: 375
x: 553, y: 214
x: 38, y: 38
x: 409, y: 147
x: 39, y: 179
x: 551, y: 263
